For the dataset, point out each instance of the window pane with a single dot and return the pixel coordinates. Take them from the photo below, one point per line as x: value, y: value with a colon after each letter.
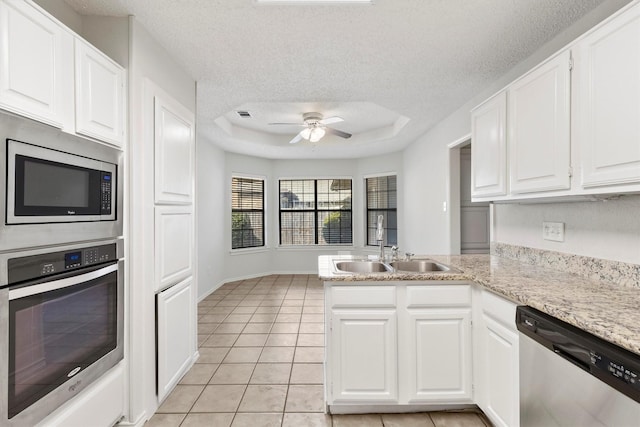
x: 334, y: 194
x: 247, y: 213
x: 297, y: 194
x: 297, y: 228
x: 335, y: 228
x: 382, y: 200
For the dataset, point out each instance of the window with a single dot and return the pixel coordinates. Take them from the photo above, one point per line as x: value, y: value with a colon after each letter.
x: 315, y: 212
x: 382, y: 200
x: 247, y: 213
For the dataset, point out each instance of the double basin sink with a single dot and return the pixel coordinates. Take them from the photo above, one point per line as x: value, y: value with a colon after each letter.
x: 412, y: 266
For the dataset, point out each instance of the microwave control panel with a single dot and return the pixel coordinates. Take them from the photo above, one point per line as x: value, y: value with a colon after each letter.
x: 105, y: 193
x: 35, y: 266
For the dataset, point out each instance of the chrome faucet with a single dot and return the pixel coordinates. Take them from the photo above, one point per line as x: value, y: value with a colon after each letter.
x: 380, y: 237
x: 394, y: 253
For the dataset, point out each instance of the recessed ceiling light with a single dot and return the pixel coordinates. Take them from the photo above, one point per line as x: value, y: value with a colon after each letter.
x: 313, y: 1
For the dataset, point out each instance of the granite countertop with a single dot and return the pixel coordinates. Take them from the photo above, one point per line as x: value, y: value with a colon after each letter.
x: 605, y: 309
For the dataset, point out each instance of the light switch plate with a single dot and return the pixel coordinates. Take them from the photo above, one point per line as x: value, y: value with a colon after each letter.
x: 553, y: 231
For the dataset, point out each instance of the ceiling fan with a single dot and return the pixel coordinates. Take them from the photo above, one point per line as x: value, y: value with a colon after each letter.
x: 315, y: 127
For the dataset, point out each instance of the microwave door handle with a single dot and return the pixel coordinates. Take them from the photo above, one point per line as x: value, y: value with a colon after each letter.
x: 60, y: 284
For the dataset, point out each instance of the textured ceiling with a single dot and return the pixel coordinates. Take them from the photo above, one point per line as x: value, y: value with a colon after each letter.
x: 417, y: 59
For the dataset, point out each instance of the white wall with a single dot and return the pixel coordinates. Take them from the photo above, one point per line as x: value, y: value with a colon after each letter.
x: 426, y: 162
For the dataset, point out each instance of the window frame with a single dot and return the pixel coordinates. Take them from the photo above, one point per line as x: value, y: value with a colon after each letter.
x: 367, y: 209
x: 315, y: 211
x: 263, y: 210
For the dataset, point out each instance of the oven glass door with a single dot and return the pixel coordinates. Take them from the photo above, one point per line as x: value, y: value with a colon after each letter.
x: 56, y: 329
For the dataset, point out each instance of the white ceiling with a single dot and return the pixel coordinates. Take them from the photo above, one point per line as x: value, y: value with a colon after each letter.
x: 392, y: 69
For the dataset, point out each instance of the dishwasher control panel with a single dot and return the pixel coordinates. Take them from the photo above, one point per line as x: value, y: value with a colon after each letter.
x: 616, y: 369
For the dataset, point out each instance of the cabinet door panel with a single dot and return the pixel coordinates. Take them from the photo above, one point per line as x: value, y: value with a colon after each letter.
x: 174, y: 147
x: 440, y: 350
x: 176, y: 335
x: 608, y: 102
x: 173, y: 245
x: 539, y: 128
x: 489, y: 149
x: 364, y: 356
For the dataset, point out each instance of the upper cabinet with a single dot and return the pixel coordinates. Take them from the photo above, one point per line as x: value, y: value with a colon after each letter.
x: 99, y: 95
x: 38, y: 79
x: 607, y: 113
x: 539, y: 126
x: 573, y: 122
x: 36, y: 60
x: 489, y: 148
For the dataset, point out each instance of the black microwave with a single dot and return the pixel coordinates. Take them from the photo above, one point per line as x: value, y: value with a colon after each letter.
x: 51, y: 186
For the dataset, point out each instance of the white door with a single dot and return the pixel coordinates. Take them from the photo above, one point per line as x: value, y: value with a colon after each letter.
x: 36, y: 60
x: 539, y: 128
x: 607, y: 124
x: 176, y: 332
x: 100, y: 107
x: 474, y: 216
x: 173, y: 244
x: 489, y: 149
x: 440, y: 355
x: 363, y: 356
x: 501, y: 375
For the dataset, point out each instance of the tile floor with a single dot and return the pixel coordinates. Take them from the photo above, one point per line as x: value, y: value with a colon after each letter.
x: 261, y: 344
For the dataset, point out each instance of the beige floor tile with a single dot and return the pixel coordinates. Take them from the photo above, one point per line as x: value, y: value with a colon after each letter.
x: 271, y: 302
x: 456, y: 419
x: 230, y: 328
x: 181, y: 399
x: 207, y: 420
x: 282, y: 340
x: 202, y: 338
x: 277, y: 355
x: 307, y: 373
x: 207, y: 303
x: 207, y: 328
x: 251, y: 340
x: 233, y: 373
x: 248, y: 303
x: 288, y: 318
x: 257, y: 420
x: 219, y: 398
x: 305, y: 398
x: 257, y: 328
x: 306, y: 420
x: 290, y: 310
x: 312, y: 328
x: 165, y: 420
x: 212, y: 354
x: 271, y: 373
x: 368, y: 420
x: 237, y: 318
x: 292, y: 303
x: 312, y: 318
x: 267, y: 310
x: 285, y: 328
x: 227, y: 303
x: 313, y: 302
x: 200, y: 373
x: 313, y: 309
x: 212, y: 318
x: 244, y: 310
x: 263, y: 318
x: 309, y: 355
x: 407, y: 420
x: 220, y: 340
x: 243, y: 355
x: 263, y: 398
x: 311, y: 340
x: 220, y: 310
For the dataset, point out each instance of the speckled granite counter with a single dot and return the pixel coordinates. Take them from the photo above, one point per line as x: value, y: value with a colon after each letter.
x: 607, y: 310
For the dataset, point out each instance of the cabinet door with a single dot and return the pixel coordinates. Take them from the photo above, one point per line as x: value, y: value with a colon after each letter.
x: 539, y: 128
x: 363, y: 352
x: 176, y: 335
x: 439, y: 355
x: 174, y: 147
x: 489, y: 149
x: 100, y: 107
x: 607, y: 125
x: 36, y: 60
x: 173, y: 244
x: 501, y: 377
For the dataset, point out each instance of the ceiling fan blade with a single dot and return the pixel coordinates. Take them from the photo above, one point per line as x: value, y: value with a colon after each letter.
x: 287, y: 124
x: 296, y: 139
x: 338, y: 132
x: 331, y: 120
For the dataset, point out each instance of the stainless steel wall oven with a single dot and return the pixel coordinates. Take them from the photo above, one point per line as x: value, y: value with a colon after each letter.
x: 62, y: 316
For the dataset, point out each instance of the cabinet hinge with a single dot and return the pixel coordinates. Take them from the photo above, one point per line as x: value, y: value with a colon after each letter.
x: 570, y: 64
x: 570, y: 172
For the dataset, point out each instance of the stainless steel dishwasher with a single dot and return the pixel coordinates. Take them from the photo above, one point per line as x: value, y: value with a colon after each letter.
x: 569, y: 377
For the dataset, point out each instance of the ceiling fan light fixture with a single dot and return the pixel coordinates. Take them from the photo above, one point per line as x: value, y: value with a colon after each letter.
x: 306, y: 133
x: 316, y: 134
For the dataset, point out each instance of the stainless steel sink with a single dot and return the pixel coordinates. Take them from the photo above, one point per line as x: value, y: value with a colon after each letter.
x: 420, y: 266
x: 361, y: 267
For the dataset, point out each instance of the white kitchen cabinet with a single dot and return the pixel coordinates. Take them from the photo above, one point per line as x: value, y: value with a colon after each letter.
x: 538, y: 128
x: 173, y: 244
x: 435, y: 336
x: 497, y: 360
x: 36, y: 65
x: 489, y: 148
x: 174, y: 152
x: 607, y: 102
x: 100, y: 101
x: 176, y: 334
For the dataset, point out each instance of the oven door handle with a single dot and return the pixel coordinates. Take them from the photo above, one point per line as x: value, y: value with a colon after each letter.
x: 26, y: 291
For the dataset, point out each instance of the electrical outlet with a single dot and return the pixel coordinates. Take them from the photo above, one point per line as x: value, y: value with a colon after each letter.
x: 553, y: 231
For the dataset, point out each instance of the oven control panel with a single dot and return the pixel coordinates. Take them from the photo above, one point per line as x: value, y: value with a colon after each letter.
x: 35, y: 266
